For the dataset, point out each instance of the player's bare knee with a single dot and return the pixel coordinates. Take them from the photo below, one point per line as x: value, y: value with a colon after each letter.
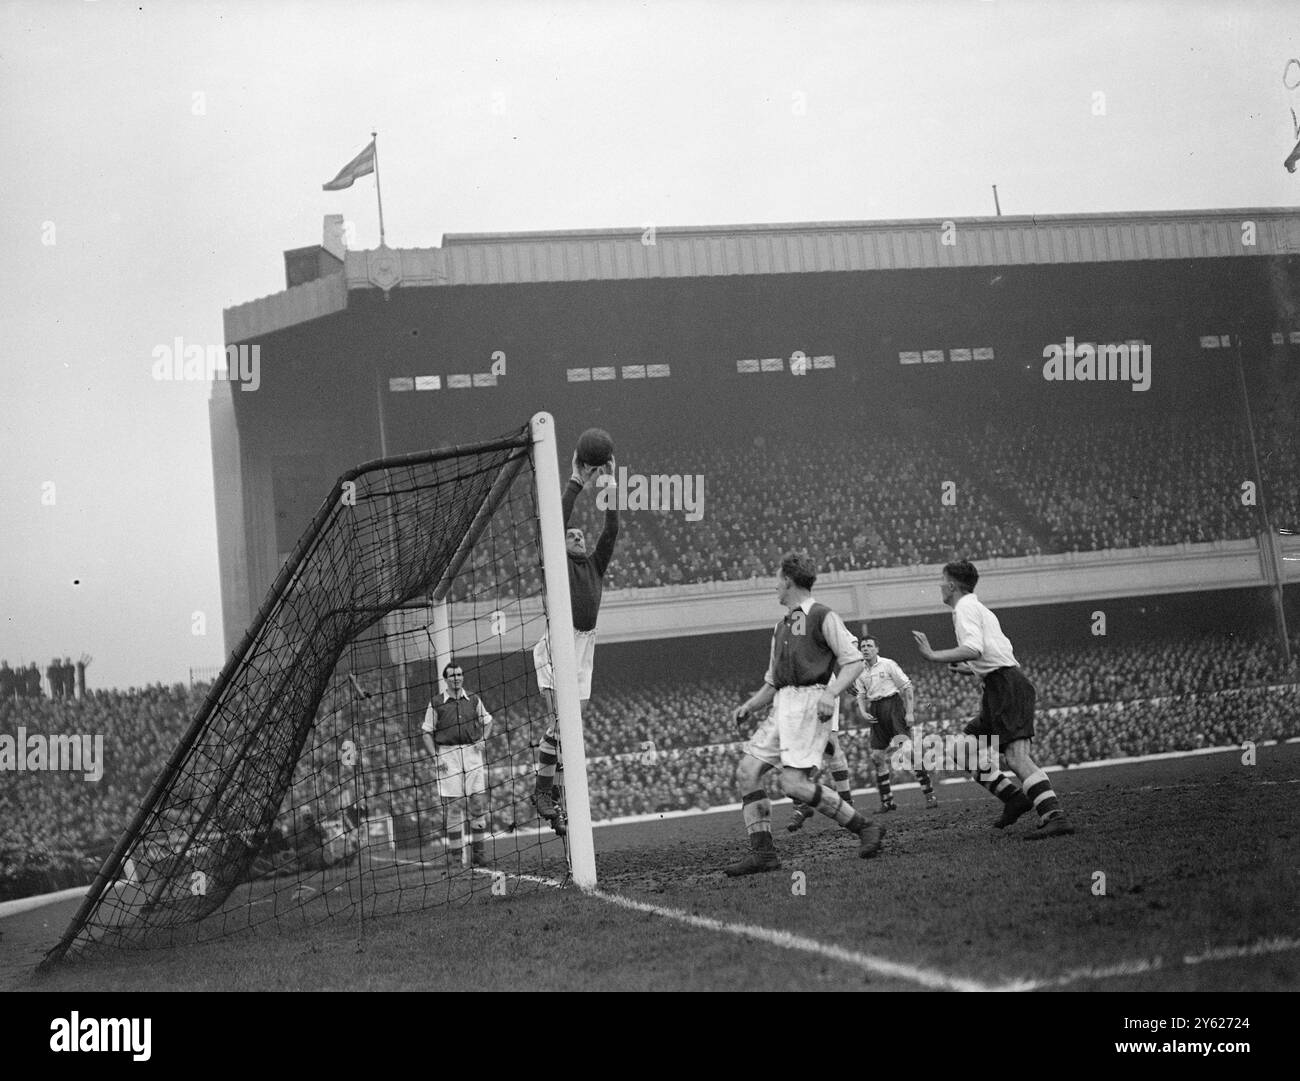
x: 1018, y: 759
x: 746, y: 774
x: 795, y: 784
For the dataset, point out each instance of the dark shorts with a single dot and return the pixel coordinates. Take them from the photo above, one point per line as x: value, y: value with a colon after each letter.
x: 890, y: 720
x: 1007, y: 708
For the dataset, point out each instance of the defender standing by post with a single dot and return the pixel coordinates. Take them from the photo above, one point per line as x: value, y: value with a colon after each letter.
x: 455, y: 729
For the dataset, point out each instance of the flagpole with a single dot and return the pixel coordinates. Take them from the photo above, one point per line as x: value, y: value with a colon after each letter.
x: 375, y: 136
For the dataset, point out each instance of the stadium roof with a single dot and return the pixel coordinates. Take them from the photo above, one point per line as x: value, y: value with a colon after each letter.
x: 809, y: 248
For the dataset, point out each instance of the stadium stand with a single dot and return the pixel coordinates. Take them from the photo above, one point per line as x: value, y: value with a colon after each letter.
x: 1071, y: 482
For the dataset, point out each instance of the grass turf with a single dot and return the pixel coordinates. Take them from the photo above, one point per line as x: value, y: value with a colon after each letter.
x: 1198, y: 854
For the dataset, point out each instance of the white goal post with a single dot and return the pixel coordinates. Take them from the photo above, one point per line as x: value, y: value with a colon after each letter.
x: 564, y: 656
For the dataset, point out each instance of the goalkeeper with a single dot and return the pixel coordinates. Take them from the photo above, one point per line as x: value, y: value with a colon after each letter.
x: 586, y: 584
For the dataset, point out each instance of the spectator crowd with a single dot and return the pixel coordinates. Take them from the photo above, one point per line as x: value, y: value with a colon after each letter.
x: 923, y: 492
x: 63, y: 679
x: 664, y: 744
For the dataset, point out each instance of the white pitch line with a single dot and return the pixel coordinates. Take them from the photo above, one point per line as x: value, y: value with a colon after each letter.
x: 1137, y: 967
x: 522, y: 877
x: 877, y: 966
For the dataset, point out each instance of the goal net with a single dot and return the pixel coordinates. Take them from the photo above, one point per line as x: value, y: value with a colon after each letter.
x: 371, y: 745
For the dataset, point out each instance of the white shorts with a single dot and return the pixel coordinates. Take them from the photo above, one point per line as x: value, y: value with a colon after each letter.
x: 460, y: 770
x: 584, y: 644
x: 792, y: 734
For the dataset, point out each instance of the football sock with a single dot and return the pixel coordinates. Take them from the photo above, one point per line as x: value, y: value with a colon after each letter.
x: 547, y: 757
x: 1039, y: 790
x: 923, y: 778
x: 999, y: 783
x: 478, y: 829
x: 757, y: 811
x: 835, y: 753
x: 455, y: 828
x: 841, y: 779
x: 883, y: 778
x: 830, y: 804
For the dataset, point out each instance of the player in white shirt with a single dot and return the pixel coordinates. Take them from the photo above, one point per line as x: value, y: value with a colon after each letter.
x: 887, y: 701
x: 1006, y: 707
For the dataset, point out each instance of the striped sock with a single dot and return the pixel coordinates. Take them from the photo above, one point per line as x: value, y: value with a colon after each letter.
x: 757, y: 811
x: 923, y: 777
x: 841, y: 779
x: 455, y: 840
x: 547, y: 757
x: 999, y: 783
x: 834, y: 808
x: 1039, y: 790
x: 882, y: 782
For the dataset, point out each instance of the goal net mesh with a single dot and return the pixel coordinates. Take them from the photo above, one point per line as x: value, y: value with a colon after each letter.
x: 305, y: 789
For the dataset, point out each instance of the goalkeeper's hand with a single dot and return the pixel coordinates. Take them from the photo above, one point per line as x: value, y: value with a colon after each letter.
x: 962, y: 668
x: 741, y: 716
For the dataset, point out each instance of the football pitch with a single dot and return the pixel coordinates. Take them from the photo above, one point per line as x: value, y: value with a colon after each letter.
x: 1184, y: 875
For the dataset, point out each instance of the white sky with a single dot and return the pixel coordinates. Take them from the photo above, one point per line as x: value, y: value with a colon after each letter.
x: 167, y: 208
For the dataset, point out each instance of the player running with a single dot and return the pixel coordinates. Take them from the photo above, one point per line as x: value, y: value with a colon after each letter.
x: 806, y: 646
x: 887, y: 701
x: 586, y: 584
x: 1006, y: 706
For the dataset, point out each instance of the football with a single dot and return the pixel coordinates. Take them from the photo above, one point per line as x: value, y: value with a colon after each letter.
x: 595, y: 447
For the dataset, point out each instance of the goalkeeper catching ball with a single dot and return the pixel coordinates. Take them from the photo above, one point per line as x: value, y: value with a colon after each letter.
x: 586, y: 584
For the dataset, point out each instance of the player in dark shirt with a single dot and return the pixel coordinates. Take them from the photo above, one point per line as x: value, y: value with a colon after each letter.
x: 813, y: 660
x: 586, y: 586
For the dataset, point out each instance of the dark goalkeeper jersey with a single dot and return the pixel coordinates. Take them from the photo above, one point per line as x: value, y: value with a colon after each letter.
x: 587, y: 573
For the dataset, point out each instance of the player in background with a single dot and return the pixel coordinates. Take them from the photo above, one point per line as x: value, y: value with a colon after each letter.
x: 1006, y: 706
x: 455, y: 728
x: 804, y: 692
x: 887, y: 701
x: 586, y: 585
x: 351, y: 783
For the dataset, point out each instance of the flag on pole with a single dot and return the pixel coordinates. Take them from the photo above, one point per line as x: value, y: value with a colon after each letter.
x: 359, y: 166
